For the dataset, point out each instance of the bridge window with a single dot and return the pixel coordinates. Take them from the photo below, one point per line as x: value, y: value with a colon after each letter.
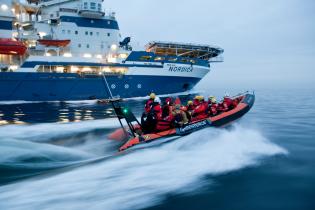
x: 87, y: 46
x: 76, y: 32
x: 93, y: 6
x: 145, y: 58
x: 99, y: 7
x: 86, y: 33
x: 108, y: 34
x: 85, y: 5
x: 79, y: 45
x: 91, y: 33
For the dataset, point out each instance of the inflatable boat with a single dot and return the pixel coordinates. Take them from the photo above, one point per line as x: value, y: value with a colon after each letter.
x: 134, y: 135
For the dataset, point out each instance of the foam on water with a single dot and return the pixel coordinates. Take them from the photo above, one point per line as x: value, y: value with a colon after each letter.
x: 144, y: 177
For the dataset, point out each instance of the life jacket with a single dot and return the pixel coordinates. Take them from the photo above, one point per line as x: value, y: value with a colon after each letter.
x: 165, y: 124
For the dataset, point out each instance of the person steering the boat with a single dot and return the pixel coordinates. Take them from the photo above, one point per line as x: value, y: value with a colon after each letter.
x: 200, y: 111
x: 149, y: 119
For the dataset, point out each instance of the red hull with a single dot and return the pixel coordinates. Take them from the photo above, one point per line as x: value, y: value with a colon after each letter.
x: 56, y: 43
x: 12, y: 47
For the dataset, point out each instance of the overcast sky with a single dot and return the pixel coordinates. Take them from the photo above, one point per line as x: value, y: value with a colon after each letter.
x: 266, y: 42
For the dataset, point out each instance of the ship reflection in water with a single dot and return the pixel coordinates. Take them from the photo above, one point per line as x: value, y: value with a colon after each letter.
x: 64, y: 112
x: 61, y: 112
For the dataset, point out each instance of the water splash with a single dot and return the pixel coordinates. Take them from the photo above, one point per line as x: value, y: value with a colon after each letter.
x: 144, y: 177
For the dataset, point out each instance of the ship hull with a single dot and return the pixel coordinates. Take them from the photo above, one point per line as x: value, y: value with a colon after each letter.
x: 67, y: 87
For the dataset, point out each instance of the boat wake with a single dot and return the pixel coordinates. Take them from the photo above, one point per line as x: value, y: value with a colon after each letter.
x: 141, y: 178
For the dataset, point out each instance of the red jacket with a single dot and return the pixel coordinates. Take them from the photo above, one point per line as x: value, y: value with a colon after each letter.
x: 214, y: 109
x: 228, y: 104
x: 148, y: 105
x: 200, y: 112
x: 157, y: 109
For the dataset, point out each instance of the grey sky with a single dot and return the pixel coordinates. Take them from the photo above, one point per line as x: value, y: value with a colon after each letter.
x: 266, y: 42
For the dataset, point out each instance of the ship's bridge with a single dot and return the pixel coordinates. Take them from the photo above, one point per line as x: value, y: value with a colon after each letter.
x: 205, y: 52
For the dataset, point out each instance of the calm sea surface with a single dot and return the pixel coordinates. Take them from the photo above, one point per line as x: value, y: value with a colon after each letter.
x: 57, y: 156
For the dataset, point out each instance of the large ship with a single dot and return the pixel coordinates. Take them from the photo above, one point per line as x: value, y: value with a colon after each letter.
x: 59, y: 50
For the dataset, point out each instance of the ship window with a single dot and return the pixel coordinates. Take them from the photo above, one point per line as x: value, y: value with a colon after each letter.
x: 159, y: 58
x: 97, y: 33
x: 63, y: 31
x: 69, y: 32
x: 91, y: 33
x: 87, y: 46
x: 92, y: 5
x: 79, y: 45
x: 86, y: 33
x: 184, y: 60
x: 85, y: 5
x: 108, y: 34
x: 102, y: 46
x: 76, y: 32
x: 145, y: 58
x: 99, y: 7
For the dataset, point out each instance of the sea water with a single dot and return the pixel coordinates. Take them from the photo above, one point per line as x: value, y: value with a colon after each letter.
x: 57, y: 156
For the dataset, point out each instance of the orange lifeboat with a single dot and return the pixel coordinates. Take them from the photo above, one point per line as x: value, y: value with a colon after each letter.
x: 54, y: 42
x: 12, y: 47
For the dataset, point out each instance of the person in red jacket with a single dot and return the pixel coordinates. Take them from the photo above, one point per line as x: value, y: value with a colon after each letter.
x: 213, y: 107
x: 152, y: 114
x: 149, y: 103
x: 167, y: 107
x: 156, y: 108
x: 227, y: 103
x: 200, y: 111
x: 167, y: 118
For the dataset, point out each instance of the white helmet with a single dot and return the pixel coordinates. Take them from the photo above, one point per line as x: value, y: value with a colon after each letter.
x: 157, y: 100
